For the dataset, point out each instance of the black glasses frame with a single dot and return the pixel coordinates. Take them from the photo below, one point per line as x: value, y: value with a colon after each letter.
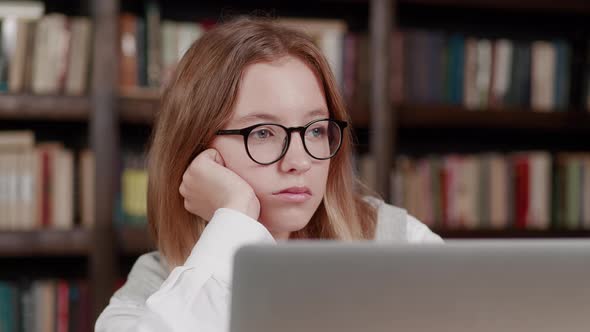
x: 245, y: 132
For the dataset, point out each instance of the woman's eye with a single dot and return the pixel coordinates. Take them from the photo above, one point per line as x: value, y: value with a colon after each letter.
x: 262, y: 133
x: 317, y: 132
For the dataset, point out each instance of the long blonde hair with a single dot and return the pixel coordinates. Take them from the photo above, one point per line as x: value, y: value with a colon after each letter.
x: 198, y: 101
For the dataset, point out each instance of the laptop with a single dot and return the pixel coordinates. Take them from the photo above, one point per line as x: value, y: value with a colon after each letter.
x: 460, y: 286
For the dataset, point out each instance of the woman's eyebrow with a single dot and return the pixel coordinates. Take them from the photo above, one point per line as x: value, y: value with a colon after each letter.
x: 267, y: 117
x: 317, y: 113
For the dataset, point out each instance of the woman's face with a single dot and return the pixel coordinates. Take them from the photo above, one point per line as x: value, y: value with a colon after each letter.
x: 284, y: 92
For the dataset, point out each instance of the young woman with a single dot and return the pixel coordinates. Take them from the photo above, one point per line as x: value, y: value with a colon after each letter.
x: 251, y: 145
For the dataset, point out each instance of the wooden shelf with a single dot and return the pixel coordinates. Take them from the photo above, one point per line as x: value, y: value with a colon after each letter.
x: 458, y: 117
x: 44, y: 107
x: 565, y: 6
x: 41, y: 243
x: 134, y: 240
x: 141, y: 107
x: 511, y: 233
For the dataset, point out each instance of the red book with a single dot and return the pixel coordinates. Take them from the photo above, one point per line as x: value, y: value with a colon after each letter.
x: 63, y: 297
x: 522, y: 190
x: 127, y: 51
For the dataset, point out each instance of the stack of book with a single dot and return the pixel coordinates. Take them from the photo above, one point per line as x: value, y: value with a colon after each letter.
x: 150, y: 47
x: 524, y: 190
x: 40, y: 183
x: 45, y: 305
x: 43, y: 54
x: 435, y: 68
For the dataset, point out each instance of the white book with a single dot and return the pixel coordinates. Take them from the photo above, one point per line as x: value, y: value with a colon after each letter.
x: 79, y: 59
x: 169, y: 50
x: 396, y: 182
x: 471, y: 192
x: 329, y: 36
x: 484, y: 71
x: 22, y: 9
x: 187, y: 34
x: 539, y: 191
x: 498, y: 191
x: 62, y: 198
x: 544, y: 61
x: 470, y: 95
x: 16, y: 67
x: 502, y: 69
x: 50, y: 55
x: 12, y: 174
x: 17, y: 140
x: 28, y: 195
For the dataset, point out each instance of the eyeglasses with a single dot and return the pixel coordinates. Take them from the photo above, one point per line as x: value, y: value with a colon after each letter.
x: 267, y: 143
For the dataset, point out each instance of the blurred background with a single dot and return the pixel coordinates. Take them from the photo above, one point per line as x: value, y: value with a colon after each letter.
x: 474, y: 115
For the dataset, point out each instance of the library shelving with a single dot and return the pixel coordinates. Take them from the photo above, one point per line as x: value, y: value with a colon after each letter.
x: 392, y: 128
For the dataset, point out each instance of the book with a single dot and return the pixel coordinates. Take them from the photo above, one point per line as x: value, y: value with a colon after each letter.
x: 50, y: 55
x: 543, y: 75
x: 328, y: 35
x: 153, y: 28
x: 87, y: 186
x: 502, y: 68
x: 483, y: 72
x: 78, y: 63
x: 22, y: 50
x: 127, y: 51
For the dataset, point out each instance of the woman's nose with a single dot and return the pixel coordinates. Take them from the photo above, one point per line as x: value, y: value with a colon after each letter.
x: 296, y: 159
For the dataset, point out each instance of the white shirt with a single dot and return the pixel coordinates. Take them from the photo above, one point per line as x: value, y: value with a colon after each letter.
x: 196, y: 295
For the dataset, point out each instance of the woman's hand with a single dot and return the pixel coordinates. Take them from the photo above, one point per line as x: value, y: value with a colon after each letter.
x: 208, y: 185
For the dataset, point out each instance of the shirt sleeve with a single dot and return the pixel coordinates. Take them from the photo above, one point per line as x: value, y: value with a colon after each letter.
x: 196, y: 295
x: 417, y: 232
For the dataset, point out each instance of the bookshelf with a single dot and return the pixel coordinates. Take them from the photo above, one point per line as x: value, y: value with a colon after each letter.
x: 43, y: 107
x: 45, y: 243
x: 411, y: 116
x: 392, y: 128
x: 511, y: 234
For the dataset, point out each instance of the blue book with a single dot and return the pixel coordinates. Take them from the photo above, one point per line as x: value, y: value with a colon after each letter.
x: 562, y: 75
x: 8, y: 303
x: 436, y: 60
x: 456, y: 68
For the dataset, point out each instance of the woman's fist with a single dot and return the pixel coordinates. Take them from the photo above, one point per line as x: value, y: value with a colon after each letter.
x: 208, y: 185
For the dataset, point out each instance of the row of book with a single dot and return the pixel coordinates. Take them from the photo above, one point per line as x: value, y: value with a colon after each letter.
x: 43, y: 54
x: 45, y: 305
x: 43, y: 185
x: 427, y: 67
x: 524, y: 190
x: 437, y: 68
x: 150, y: 47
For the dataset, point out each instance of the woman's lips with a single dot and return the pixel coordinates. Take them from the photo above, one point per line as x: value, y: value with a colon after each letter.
x: 294, y: 194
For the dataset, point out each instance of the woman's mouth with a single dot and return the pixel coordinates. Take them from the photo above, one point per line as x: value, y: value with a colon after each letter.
x: 293, y: 194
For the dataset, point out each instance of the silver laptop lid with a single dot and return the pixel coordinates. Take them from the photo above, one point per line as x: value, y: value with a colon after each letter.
x: 505, y: 285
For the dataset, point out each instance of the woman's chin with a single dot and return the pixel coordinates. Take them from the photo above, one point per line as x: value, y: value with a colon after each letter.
x: 282, y: 223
